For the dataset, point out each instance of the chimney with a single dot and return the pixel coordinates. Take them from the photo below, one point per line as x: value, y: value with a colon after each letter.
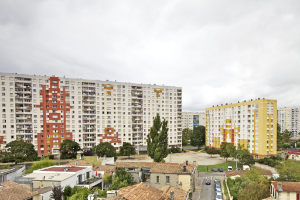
x: 31, y: 186
x: 172, y: 195
x: 184, y: 168
x: 187, y: 162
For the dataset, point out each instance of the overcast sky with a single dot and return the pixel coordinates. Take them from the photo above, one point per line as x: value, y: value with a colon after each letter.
x: 217, y: 51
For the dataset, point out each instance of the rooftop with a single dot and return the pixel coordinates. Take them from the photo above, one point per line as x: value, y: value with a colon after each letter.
x: 36, y: 176
x: 14, y: 191
x: 62, y: 169
x: 141, y: 191
x: 287, y: 186
x: 108, y: 169
x: 79, y: 163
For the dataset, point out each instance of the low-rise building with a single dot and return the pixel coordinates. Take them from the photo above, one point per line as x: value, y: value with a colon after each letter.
x: 285, y: 190
x: 11, y: 173
x: 10, y: 190
x: 142, y: 191
x: 157, y: 175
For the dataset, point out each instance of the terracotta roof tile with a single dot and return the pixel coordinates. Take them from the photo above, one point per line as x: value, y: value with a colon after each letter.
x: 108, y: 169
x: 287, y: 186
x: 14, y: 191
x: 137, y: 165
x: 144, y: 192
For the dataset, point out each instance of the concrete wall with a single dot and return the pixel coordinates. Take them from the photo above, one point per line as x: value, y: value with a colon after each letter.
x: 13, y: 175
x: 162, y: 180
x: 286, y: 195
x: 108, y: 161
x: 185, y: 182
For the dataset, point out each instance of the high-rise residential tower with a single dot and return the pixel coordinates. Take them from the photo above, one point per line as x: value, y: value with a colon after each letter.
x: 193, y: 119
x: 252, y: 124
x: 288, y: 119
x: 46, y: 110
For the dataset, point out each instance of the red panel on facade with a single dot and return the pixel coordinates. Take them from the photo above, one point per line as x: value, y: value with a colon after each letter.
x: 54, y: 126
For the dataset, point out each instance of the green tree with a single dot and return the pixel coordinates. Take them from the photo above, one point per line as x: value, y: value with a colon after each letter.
x: 157, y: 140
x: 21, y: 151
x: 121, y: 179
x: 198, y: 136
x: 67, y: 192
x: 286, y: 136
x: 57, y: 192
x: 256, y: 175
x: 253, y: 192
x: 288, y: 171
x: 45, y: 162
x: 184, y: 141
x: 187, y: 133
x: 106, y: 149
x: 68, y: 149
x: 245, y: 157
x: 211, y: 151
x: 79, y: 192
x: 127, y: 149
x: 223, y: 152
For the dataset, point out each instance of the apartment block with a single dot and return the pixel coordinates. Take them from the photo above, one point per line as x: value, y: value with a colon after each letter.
x: 45, y: 110
x: 251, y: 124
x: 193, y: 119
x: 288, y: 119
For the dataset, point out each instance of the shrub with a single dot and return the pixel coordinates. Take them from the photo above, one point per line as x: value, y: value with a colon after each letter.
x: 174, y: 150
x: 51, y: 157
x: 271, y: 163
x: 41, y: 164
x: 261, y: 161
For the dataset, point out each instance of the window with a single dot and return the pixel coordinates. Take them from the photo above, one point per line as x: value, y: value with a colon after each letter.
x: 157, y: 179
x: 167, y: 179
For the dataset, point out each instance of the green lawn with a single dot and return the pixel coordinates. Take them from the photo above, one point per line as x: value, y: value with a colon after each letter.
x: 203, y: 168
x: 92, y: 160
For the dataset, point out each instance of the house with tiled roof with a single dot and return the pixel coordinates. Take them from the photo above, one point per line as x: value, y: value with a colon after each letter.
x: 10, y: 190
x: 157, y: 175
x: 285, y: 190
x: 142, y: 191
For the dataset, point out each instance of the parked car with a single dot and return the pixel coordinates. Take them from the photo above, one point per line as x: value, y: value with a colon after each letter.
x: 219, y: 197
x: 219, y: 193
x: 218, y: 189
x: 238, y: 168
x: 229, y: 168
x: 214, y: 170
x: 220, y: 170
x: 217, y: 180
x: 217, y: 185
x: 208, y: 182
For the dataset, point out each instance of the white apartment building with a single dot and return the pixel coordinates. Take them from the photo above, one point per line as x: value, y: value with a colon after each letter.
x: 288, y: 119
x: 251, y: 124
x: 193, y: 119
x: 99, y: 111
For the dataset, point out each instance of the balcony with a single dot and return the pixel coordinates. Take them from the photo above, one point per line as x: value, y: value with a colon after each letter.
x: 90, y: 182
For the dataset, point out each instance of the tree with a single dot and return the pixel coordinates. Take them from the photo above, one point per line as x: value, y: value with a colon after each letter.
x: 253, y: 192
x: 67, y: 191
x: 245, y: 157
x: 21, y: 151
x: 212, y: 151
x: 68, y: 149
x: 157, y: 140
x: 223, y: 151
x: 127, y: 149
x: 79, y: 192
x: 106, y: 149
x: 286, y: 136
x: 184, y: 141
x: 121, y: 179
x: 186, y: 133
x: 198, y: 136
x: 45, y: 162
x: 288, y: 171
x: 57, y: 192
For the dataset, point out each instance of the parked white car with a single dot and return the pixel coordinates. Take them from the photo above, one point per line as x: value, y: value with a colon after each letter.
x: 246, y: 167
x: 229, y: 168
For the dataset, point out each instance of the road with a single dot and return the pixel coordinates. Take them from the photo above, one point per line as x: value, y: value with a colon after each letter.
x: 208, y: 191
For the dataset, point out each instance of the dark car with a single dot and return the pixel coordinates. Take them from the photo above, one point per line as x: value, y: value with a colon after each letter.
x: 220, y: 170
x: 208, y: 182
x: 214, y: 170
x: 238, y: 168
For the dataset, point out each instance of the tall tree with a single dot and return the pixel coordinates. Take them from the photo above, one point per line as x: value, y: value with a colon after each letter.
x: 21, y: 151
x: 223, y: 152
x: 106, y: 149
x: 68, y: 149
x: 187, y: 133
x: 127, y: 149
x: 157, y: 140
x: 211, y: 151
x: 286, y: 136
x: 245, y: 157
x: 288, y: 171
x: 253, y: 192
x: 198, y: 136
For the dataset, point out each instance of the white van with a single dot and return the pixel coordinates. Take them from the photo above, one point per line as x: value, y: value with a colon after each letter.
x: 229, y: 168
x: 246, y: 167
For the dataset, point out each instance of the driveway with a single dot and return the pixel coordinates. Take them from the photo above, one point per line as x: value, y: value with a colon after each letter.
x: 208, y: 191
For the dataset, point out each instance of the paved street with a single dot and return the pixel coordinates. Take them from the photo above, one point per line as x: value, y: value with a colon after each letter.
x: 208, y: 191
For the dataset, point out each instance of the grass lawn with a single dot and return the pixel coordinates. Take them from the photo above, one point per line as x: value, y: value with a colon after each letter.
x: 92, y: 160
x: 203, y: 168
x: 195, y: 150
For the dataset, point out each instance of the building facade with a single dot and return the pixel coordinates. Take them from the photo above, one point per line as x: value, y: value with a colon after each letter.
x: 193, y: 119
x: 45, y: 110
x: 288, y: 119
x: 251, y: 124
